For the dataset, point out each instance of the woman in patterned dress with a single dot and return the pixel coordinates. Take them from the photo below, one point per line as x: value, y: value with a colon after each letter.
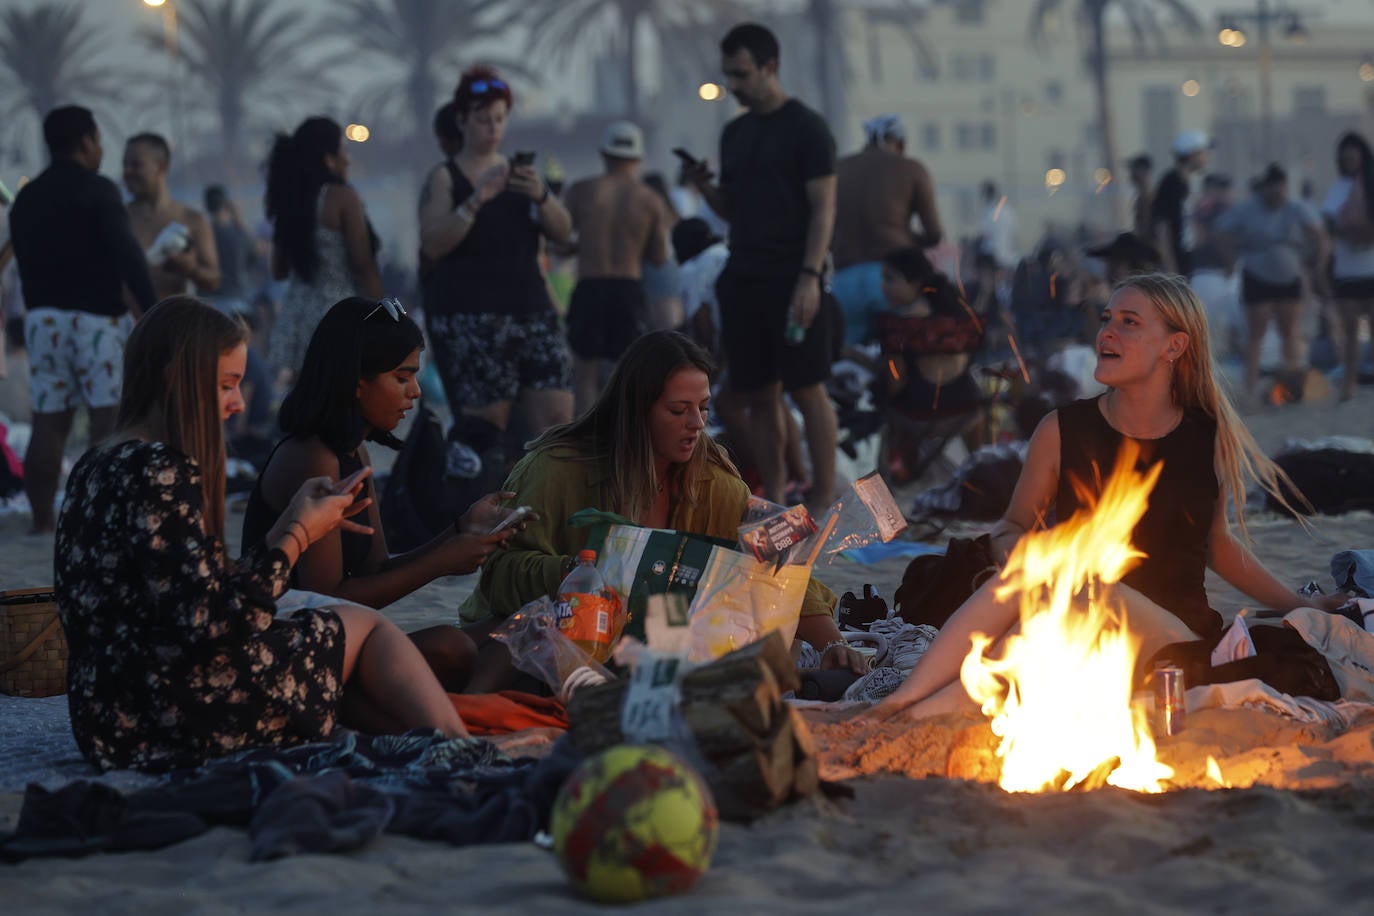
x: 176, y: 655
x: 322, y: 243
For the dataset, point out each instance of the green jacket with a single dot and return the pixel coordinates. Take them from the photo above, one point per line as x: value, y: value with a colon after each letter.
x: 558, y: 482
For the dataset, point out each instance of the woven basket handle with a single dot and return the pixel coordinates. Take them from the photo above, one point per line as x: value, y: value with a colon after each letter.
x: 25, y: 653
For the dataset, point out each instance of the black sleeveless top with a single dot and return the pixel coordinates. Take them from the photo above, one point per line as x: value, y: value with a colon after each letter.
x: 495, y: 268
x: 1173, y: 532
x: 258, y: 519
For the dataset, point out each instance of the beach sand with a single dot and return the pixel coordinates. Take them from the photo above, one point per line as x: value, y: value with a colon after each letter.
x: 1296, y: 839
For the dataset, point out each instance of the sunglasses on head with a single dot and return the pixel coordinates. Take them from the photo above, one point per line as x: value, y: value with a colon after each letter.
x: 482, y: 87
x: 393, y: 308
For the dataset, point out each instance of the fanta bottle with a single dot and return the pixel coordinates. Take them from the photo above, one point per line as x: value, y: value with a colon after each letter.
x: 589, y: 611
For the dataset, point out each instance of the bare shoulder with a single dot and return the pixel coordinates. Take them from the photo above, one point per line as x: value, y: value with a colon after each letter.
x: 296, y: 460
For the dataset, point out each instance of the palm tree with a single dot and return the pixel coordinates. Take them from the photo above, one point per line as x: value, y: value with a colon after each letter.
x: 427, y: 39
x: 52, y: 58
x: 560, y: 28
x: 240, y: 51
x: 1144, y: 20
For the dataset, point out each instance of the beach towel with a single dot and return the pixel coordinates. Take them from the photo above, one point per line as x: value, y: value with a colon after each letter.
x: 328, y: 796
x: 507, y: 711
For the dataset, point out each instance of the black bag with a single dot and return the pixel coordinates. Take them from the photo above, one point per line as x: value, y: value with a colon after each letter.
x: 1333, y: 480
x: 933, y: 587
x: 417, y: 500
x: 1283, y: 660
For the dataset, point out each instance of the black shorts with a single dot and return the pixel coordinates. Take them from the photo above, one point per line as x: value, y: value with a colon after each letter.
x: 605, y: 316
x: 753, y: 319
x: 1353, y: 288
x: 1253, y: 290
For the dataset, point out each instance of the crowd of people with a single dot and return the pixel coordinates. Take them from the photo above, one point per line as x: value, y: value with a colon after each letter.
x: 733, y: 293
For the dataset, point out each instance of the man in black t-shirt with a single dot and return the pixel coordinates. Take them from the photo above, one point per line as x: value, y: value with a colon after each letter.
x: 777, y: 190
x: 76, y: 252
x: 1175, y: 199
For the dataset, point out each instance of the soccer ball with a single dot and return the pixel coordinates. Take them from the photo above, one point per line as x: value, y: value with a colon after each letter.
x: 634, y: 822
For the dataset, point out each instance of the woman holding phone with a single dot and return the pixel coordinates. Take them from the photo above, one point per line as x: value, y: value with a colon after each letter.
x: 356, y: 383
x: 496, y: 336
x: 176, y: 653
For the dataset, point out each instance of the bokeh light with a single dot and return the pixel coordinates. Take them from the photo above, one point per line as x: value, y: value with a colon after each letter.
x: 709, y: 92
x: 1191, y: 88
x: 154, y: 2
x: 1102, y: 176
x: 1055, y: 178
x: 1367, y: 72
x: 358, y: 133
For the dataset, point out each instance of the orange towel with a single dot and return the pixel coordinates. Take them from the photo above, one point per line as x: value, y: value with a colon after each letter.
x: 508, y: 711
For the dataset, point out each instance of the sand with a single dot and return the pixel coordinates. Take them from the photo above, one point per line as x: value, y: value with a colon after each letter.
x: 1292, y: 836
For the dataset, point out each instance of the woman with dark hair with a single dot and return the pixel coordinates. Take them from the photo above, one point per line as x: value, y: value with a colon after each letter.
x: 357, y: 382
x: 1349, y: 212
x: 176, y: 653
x: 488, y: 313
x: 322, y: 243
x: 641, y: 451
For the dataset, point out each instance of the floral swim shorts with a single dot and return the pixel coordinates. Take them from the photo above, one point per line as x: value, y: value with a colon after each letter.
x: 74, y: 358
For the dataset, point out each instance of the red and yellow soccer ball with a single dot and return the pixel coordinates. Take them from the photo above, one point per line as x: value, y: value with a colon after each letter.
x: 632, y: 823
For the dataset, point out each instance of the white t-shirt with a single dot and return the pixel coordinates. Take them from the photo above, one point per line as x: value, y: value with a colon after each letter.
x: 697, y: 281
x: 997, y: 231
x: 1351, y: 262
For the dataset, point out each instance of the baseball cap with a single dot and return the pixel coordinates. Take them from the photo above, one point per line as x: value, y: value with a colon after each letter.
x: 884, y: 127
x: 1191, y: 141
x: 623, y: 140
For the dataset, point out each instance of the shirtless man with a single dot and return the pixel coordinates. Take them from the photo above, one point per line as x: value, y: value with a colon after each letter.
x: 619, y: 222
x: 175, y: 272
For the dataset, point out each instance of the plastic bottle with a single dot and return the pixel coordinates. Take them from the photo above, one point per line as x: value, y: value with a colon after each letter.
x: 589, y: 611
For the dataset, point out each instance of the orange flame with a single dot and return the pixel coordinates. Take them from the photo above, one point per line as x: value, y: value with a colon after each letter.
x: 1059, y: 694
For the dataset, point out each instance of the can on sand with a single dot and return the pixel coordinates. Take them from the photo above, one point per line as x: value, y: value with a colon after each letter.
x: 1170, y: 702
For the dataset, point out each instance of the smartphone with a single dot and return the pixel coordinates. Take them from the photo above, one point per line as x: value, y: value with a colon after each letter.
x: 516, y: 516
x: 687, y: 158
x: 523, y: 157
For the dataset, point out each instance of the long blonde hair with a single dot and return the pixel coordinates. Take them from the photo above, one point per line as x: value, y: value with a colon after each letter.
x: 615, y: 429
x: 171, y: 377
x: 1239, y: 458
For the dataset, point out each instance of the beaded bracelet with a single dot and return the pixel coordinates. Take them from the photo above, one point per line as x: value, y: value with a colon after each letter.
x: 832, y: 644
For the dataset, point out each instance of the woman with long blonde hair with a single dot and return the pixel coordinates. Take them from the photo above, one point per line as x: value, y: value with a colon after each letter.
x: 1155, y: 357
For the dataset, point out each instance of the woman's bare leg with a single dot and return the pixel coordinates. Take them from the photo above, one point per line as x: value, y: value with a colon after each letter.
x: 391, y: 672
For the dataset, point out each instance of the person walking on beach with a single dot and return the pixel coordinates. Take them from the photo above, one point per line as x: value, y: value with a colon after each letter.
x: 76, y: 253
x: 1270, y: 234
x: 1171, y: 212
x: 777, y: 190
x: 178, y: 240
x: 878, y: 190
x: 618, y: 222
x: 1349, y: 211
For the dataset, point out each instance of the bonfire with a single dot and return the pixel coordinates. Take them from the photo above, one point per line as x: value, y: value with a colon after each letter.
x: 1058, y: 689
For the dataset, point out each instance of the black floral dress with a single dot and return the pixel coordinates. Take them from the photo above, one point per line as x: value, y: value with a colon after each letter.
x: 176, y: 655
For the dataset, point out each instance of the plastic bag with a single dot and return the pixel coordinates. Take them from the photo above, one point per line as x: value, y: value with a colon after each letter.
x: 539, y: 649
x: 865, y: 514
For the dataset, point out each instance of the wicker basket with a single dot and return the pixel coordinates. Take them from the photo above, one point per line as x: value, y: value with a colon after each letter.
x: 33, y: 648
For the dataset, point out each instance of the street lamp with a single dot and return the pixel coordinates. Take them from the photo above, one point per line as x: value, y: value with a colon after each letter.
x: 1264, y: 17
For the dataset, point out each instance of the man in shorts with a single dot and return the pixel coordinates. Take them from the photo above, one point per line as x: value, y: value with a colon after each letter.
x: 619, y: 223
x: 777, y: 189
x: 76, y: 254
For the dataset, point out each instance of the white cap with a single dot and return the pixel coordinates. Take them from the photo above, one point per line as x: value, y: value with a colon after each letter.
x: 623, y: 140
x: 1191, y: 141
x: 884, y: 127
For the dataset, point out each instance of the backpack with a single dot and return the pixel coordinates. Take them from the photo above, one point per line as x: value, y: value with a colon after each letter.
x: 934, y: 586
x: 417, y: 500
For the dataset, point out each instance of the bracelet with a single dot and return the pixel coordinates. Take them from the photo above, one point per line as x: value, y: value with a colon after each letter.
x: 811, y: 272
x: 832, y: 644
x: 302, y: 543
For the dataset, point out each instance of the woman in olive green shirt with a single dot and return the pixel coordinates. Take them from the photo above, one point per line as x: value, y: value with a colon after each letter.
x: 641, y: 451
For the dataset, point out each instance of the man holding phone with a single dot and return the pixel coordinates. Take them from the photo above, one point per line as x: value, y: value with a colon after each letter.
x: 619, y: 222
x: 777, y: 190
